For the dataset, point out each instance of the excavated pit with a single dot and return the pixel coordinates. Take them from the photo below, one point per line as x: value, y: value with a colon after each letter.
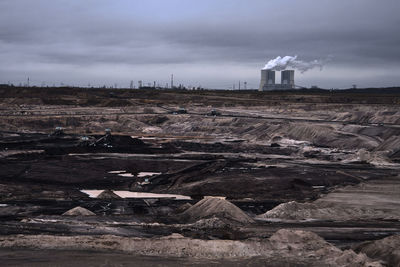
x: 198, y: 186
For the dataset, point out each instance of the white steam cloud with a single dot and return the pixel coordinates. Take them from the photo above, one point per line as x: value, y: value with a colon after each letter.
x: 283, y: 63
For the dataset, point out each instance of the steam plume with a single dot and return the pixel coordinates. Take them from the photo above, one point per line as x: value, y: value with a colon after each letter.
x: 282, y: 63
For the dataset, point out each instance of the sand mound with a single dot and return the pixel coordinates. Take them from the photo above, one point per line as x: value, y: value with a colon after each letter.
x: 78, y: 211
x: 386, y: 249
x: 215, y: 207
x: 108, y: 194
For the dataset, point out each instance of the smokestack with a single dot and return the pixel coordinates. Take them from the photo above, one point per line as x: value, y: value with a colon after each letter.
x: 267, y: 80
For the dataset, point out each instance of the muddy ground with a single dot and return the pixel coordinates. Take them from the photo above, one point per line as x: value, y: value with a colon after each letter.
x: 315, y: 162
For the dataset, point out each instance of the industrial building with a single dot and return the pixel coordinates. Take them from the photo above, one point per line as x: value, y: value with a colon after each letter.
x: 268, y: 80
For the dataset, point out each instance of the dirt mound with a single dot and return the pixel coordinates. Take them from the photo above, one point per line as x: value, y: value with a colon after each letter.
x: 78, y: 211
x: 386, y: 249
x: 297, y: 211
x: 108, y: 194
x: 319, y: 211
x: 213, y: 206
x: 183, y: 207
x: 292, y: 241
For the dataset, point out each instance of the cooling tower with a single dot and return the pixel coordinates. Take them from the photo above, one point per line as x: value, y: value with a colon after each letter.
x: 267, y: 79
x: 287, y: 79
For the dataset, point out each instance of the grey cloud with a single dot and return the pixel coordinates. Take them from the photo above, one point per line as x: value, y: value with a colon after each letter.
x: 83, y: 33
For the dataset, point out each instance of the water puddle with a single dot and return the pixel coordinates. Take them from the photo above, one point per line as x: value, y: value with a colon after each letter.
x: 292, y: 142
x: 129, y: 194
x: 140, y: 174
x: 144, y: 174
x: 147, y: 138
x: 126, y: 174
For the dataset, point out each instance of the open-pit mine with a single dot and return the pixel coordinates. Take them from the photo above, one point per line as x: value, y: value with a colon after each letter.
x: 114, y: 177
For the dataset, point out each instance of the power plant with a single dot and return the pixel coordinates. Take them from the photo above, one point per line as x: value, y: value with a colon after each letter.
x: 268, y: 80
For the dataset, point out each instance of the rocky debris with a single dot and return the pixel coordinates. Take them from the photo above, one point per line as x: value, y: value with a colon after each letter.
x: 386, y: 249
x: 78, y: 211
x: 108, y: 194
x: 215, y: 207
x: 290, y: 244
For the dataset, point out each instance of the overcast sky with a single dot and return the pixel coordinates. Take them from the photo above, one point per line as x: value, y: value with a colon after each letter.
x: 213, y: 43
